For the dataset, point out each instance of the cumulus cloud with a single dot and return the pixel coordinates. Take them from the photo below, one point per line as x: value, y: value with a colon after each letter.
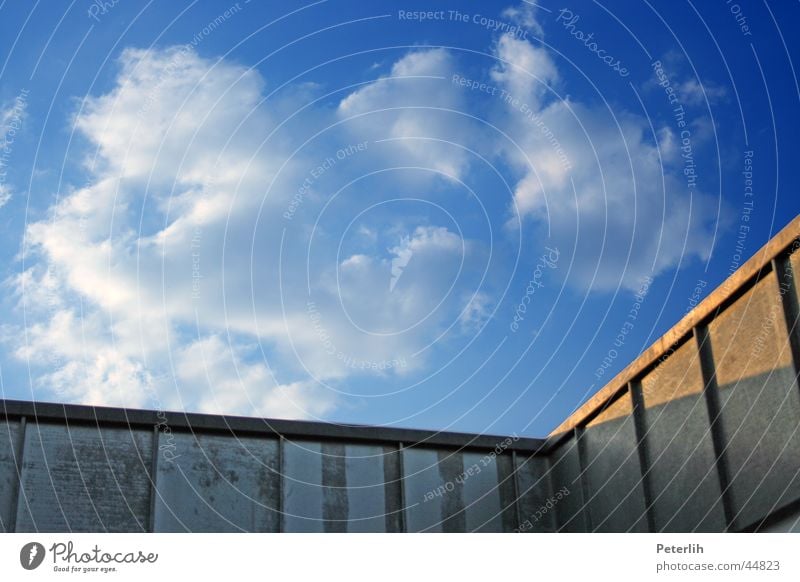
x: 525, y: 15
x: 600, y: 181
x: 694, y: 93
x: 476, y: 312
x: 385, y: 303
x: 405, y: 285
x: 416, y: 107
x: 220, y: 380
x: 175, y: 276
x: 524, y: 70
x: 5, y: 194
x: 691, y: 90
x: 173, y: 160
x: 139, y: 273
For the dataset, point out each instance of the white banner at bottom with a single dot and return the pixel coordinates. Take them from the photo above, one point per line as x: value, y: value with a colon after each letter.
x: 416, y: 557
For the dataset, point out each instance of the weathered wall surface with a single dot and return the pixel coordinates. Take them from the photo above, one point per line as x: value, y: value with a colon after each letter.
x: 702, y: 432
x: 75, y: 468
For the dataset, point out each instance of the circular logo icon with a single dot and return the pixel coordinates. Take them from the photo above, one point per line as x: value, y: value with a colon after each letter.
x: 31, y: 555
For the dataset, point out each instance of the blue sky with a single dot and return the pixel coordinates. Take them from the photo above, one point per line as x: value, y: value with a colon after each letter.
x: 466, y: 219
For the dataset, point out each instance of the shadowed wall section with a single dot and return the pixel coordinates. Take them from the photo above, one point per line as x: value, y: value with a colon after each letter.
x: 702, y: 431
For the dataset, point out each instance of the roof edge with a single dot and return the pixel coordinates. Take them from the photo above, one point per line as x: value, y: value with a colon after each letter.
x: 243, y: 425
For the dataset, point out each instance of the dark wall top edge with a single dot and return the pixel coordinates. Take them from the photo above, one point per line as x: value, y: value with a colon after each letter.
x: 241, y: 425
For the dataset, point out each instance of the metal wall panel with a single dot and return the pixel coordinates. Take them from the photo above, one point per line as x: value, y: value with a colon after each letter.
x: 537, y: 503
x: 682, y: 463
x: 9, y: 447
x: 571, y: 513
x: 433, y: 493
x: 81, y: 478
x: 759, y: 400
x: 334, y: 487
x: 488, y: 492
x: 216, y: 483
x: 373, y: 489
x: 302, y: 491
x: 614, y: 485
x: 447, y: 490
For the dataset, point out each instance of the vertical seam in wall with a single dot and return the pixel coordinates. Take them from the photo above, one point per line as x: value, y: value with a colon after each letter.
x: 18, y: 461
x: 791, y: 311
x: 711, y: 392
x: 640, y: 430
x: 550, y: 491
x: 583, y: 464
x: 514, y: 467
x: 401, y: 476
x: 335, y: 493
x: 151, y: 516
x: 281, y: 484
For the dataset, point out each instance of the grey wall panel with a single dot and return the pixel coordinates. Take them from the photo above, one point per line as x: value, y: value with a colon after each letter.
x: 82, y: 478
x: 335, y: 487
x: 537, y: 507
x: 9, y: 445
x: 571, y: 512
x: 487, y: 482
x: 451, y: 491
x: 367, y: 489
x: 507, y: 489
x: 683, y: 475
x: 421, y: 484
x: 613, y: 472
x: 302, y: 490
x: 759, y: 400
x: 789, y: 523
x: 394, y: 497
x: 215, y: 483
x: 433, y: 492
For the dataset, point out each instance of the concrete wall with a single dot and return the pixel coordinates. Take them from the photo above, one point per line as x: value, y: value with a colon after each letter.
x: 74, y: 468
x: 702, y: 432
x: 83, y: 478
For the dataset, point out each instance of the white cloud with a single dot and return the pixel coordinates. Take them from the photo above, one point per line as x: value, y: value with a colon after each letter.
x: 598, y: 180
x: 374, y: 310
x: 525, y: 15
x: 476, y: 312
x: 171, y: 145
x: 417, y: 106
x: 5, y: 194
x: 171, y: 106
x: 694, y: 93
x: 103, y: 379
x: 178, y: 239
x: 220, y: 380
x: 525, y: 71
x: 180, y: 186
x: 691, y: 91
